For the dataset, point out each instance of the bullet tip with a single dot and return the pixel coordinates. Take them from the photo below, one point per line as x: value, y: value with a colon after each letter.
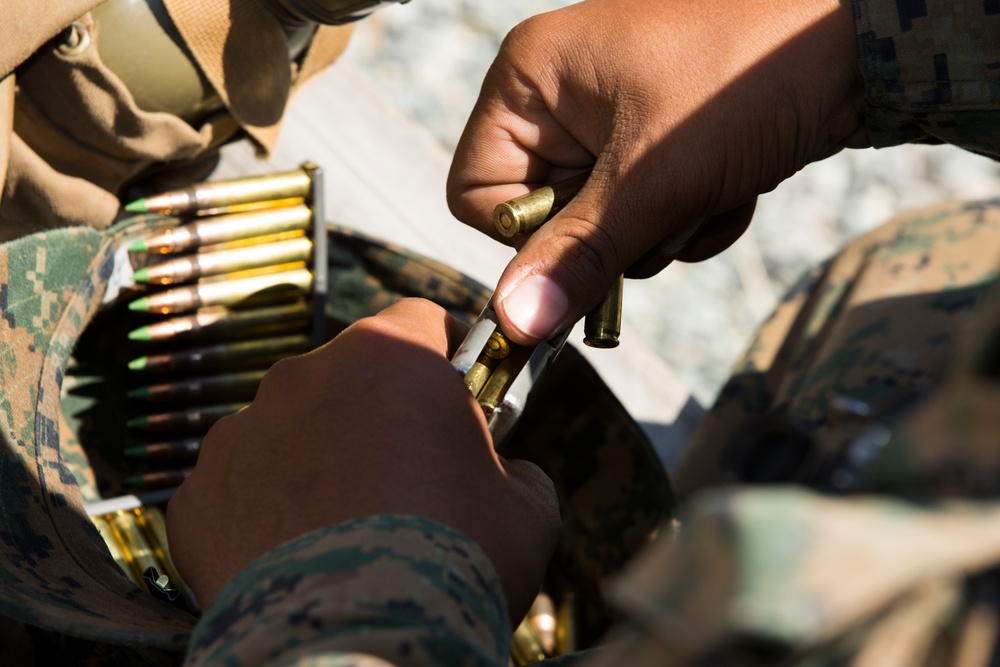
x: 141, y: 363
x: 142, y: 275
x: 139, y: 245
x: 135, y: 480
x: 139, y: 452
x: 138, y: 422
x: 138, y: 206
x: 142, y: 333
x: 140, y: 392
x: 140, y: 305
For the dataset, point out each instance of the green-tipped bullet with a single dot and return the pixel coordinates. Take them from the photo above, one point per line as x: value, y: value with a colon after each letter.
x: 138, y: 206
x: 153, y: 480
x: 185, y: 451
x: 199, y: 418
x: 140, y: 363
x: 217, y: 320
x: 226, y: 291
x: 138, y: 422
x: 254, y: 353
x: 215, y: 262
x: 142, y: 333
x: 139, y: 245
x: 228, y: 386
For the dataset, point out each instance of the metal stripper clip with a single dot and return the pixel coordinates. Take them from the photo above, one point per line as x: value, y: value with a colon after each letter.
x: 502, y: 374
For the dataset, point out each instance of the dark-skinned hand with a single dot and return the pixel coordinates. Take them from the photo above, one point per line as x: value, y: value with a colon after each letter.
x: 684, y: 111
x: 375, y: 422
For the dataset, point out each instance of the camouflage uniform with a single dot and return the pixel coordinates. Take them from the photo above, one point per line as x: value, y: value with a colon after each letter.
x: 862, y: 382
x: 866, y: 405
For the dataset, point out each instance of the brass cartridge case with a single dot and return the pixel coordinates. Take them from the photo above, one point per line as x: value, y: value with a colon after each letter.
x: 135, y: 544
x: 603, y: 325
x: 234, y: 192
x: 201, y: 264
x: 530, y: 211
x: 230, y: 227
x: 117, y: 549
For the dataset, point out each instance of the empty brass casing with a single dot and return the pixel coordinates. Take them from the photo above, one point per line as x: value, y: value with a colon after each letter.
x: 532, y: 210
x: 603, y: 325
x: 566, y: 639
x: 525, y: 646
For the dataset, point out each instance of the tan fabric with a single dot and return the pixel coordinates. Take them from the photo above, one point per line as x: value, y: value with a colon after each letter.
x: 28, y: 24
x: 252, y: 75
x: 327, y: 45
x: 80, y: 139
x: 6, y: 123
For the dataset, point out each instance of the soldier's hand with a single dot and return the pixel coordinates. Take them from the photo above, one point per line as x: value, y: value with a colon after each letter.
x: 375, y: 422
x: 684, y: 110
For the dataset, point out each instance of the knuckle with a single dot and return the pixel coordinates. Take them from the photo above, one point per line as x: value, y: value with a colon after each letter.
x: 281, y: 376
x: 591, y: 253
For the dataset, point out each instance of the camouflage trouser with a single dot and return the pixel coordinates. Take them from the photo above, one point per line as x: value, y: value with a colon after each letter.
x: 841, y: 497
x: 860, y: 338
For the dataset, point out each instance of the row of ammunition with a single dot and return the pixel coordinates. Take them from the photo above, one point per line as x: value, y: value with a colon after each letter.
x: 238, y: 284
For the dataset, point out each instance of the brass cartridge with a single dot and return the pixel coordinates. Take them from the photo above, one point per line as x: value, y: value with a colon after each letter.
x: 603, y: 325
x: 135, y: 544
x: 223, y: 194
x: 530, y: 211
x: 116, y: 548
x: 226, y: 228
x: 190, y: 267
x: 223, y: 292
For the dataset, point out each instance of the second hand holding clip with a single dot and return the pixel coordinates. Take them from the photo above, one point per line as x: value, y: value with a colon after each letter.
x: 500, y: 373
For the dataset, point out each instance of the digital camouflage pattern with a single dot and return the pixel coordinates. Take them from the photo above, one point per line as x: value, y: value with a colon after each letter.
x: 64, y: 599
x: 865, y: 381
x: 445, y: 604
x: 930, y: 69
x: 860, y: 339
x: 368, y: 275
x: 57, y: 576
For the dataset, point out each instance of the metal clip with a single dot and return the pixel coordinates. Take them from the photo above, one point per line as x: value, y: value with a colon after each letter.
x: 502, y: 374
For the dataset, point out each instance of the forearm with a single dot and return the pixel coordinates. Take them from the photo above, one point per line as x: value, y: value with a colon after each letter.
x: 403, y: 590
x: 931, y: 72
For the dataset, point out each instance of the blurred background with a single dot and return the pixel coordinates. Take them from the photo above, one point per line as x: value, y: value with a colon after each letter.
x: 429, y: 57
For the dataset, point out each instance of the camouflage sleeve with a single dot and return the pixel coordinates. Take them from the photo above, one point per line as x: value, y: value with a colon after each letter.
x: 784, y: 576
x: 382, y: 590
x: 932, y: 72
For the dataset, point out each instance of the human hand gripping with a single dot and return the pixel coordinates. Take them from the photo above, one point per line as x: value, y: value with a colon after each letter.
x: 376, y: 422
x: 685, y: 112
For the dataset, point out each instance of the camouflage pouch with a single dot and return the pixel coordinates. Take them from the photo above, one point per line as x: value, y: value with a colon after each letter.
x: 64, y: 598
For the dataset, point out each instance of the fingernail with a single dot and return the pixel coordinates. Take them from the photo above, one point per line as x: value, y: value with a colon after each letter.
x: 536, y: 306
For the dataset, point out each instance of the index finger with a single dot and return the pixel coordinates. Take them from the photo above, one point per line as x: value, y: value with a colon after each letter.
x: 511, y: 145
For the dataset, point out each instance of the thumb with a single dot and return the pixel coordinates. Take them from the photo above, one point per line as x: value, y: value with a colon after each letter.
x: 568, y: 264
x: 560, y: 271
x: 553, y: 281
